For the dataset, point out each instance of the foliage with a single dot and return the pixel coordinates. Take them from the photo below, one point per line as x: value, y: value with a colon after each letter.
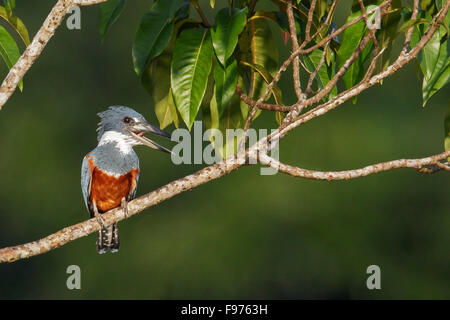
x: 191, y: 68
x: 9, y: 49
x: 243, y: 48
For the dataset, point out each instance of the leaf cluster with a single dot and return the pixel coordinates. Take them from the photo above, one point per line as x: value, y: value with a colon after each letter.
x: 191, y: 67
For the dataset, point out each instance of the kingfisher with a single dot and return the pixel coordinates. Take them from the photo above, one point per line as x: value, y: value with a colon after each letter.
x: 110, y: 172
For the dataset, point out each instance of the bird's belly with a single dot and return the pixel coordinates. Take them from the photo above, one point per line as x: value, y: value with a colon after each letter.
x: 108, y: 191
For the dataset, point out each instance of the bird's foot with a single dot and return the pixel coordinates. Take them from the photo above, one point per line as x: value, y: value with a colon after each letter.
x: 100, y: 220
x: 97, y: 216
x: 124, y: 206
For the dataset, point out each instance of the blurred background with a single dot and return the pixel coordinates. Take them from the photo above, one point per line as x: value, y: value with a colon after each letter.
x: 244, y: 236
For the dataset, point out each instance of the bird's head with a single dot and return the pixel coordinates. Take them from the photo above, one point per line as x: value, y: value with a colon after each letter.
x: 123, y: 124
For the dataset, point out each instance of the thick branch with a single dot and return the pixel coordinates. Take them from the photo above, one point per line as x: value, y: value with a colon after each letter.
x: 56, y: 240
x: 34, y: 49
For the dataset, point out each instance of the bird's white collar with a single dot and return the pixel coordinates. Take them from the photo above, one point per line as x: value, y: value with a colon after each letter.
x: 123, y: 142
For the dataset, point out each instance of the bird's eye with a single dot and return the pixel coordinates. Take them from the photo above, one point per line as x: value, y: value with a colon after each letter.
x: 127, y: 120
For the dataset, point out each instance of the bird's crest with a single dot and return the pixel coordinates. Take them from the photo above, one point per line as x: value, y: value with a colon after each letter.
x: 111, y: 118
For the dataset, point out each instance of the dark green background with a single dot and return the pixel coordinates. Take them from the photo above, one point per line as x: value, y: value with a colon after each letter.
x: 242, y: 236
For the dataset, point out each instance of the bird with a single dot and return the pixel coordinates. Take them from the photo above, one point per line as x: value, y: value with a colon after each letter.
x: 110, y: 172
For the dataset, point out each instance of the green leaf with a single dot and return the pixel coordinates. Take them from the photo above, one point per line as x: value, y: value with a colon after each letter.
x: 258, y: 48
x: 17, y: 24
x: 226, y: 81
x: 277, y: 94
x: 9, y: 50
x: 109, y: 11
x: 166, y: 111
x: 351, y: 39
x: 387, y: 34
x: 212, y: 3
x: 301, y: 12
x: 157, y: 81
x: 429, y: 6
x: 434, y: 61
x: 321, y: 6
x: 226, y: 31
x: 10, y: 5
x: 154, y: 32
x: 232, y: 118
x: 325, y: 73
x: 191, y: 65
x: 415, y: 22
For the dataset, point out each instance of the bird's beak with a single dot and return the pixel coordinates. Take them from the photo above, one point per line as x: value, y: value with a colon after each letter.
x: 138, y: 131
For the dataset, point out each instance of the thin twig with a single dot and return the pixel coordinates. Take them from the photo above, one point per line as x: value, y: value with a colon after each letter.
x: 301, y: 49
x: 294, y: 40
x: 313, y: 75
x: 329, y: 86
x: 310, y: 18
x: 263, y: 106
x: 251, y: 10
x: 401, y: 61
x: 408, y: 35
x: 371, y: 30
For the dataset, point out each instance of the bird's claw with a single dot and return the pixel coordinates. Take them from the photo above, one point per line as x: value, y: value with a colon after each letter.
x: 124, y: 206
x: 100, y: 221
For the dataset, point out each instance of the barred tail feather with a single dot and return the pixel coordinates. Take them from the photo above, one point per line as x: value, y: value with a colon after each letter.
x: 108, y: 239
x: 115, y: 242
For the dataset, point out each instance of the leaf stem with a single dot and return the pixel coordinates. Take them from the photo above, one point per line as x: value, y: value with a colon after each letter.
x: 200, y: 13
x: 251, y: 10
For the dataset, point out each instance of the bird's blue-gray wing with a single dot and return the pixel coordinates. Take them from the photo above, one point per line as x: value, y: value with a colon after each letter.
x: 86, y: 182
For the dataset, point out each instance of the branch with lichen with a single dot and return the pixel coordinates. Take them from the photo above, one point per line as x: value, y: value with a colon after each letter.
x: 35, y: 48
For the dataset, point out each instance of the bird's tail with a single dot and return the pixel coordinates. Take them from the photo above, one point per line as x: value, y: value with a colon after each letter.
x: 108, y: 239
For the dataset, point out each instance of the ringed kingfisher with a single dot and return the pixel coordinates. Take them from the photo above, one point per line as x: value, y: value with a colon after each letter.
x: 110, y: 172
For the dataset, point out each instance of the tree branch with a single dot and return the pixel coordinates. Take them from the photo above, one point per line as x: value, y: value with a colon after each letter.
x: 34, y: 49
x: 313, y: 74
x: 418, y: 164
x: 294, y: 40
x: 301, y: 50
x: 58, y: 239
x: 371, y: 30
x: 322, y: 93
x: 310, y: 18
x: 263, y: 106
x: 410, y: 30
